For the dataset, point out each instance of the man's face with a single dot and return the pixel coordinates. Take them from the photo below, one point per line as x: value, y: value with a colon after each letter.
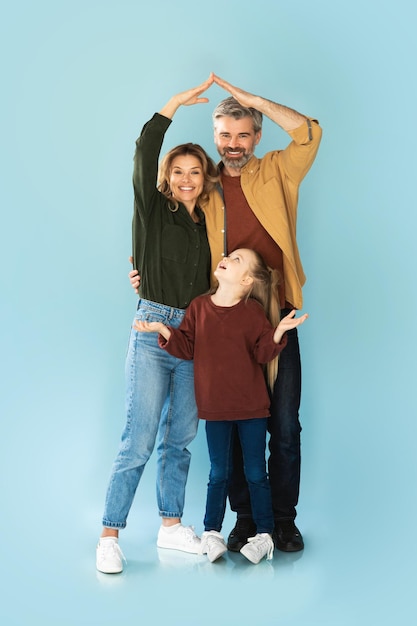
x: 235, y: 140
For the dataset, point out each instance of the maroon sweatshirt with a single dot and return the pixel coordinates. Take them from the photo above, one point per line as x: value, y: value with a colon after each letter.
x: 229, y: 346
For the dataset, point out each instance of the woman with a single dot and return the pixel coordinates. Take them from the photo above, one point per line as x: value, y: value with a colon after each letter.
x: 171, y: 252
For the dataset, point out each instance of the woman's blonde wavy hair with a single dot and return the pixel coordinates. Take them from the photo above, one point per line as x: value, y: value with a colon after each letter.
x: 210, y: 170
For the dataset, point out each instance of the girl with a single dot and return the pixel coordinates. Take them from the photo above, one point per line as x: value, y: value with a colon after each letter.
x: 229, y: 337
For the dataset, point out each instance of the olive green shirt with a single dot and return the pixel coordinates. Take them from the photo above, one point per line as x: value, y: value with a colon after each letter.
x: 170, y: 250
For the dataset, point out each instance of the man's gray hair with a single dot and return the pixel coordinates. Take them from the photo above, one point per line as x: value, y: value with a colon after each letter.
x: 230, y: 107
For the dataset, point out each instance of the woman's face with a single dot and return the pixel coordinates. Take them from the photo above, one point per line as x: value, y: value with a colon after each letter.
x: 186, y: 179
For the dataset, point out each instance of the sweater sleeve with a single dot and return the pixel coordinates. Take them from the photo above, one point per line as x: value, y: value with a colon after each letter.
x: 266, y: 349
x: 145, y: 169
x: 181, y: 342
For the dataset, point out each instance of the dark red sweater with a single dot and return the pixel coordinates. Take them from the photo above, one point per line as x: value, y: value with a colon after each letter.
x: 228, y: 345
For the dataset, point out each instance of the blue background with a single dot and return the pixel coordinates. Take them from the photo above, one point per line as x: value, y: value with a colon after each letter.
x: 78, y: 80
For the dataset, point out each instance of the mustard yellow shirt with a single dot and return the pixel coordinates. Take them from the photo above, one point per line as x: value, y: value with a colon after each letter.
x: 271, y: 185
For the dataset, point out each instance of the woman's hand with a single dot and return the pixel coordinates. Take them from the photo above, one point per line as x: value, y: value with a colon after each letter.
x: 187, y: 98
x: 192, y: 96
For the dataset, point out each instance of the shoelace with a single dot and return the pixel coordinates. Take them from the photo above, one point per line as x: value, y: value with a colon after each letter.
x: 112, y: 546
x: 259, y: 543
x: 207, y: 541
x: 189, y: 534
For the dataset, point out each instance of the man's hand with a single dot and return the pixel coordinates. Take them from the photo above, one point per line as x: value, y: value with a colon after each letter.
x: 287, y: 118
x: 244, y: 98
x: 134, y: 277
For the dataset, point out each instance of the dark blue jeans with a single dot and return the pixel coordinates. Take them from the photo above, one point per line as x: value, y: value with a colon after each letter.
x: 284, y: 445
x: 252, y: 436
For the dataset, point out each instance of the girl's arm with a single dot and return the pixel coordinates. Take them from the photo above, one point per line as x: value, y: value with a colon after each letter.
x: 287, y: 323
x: 179, y: 342
x: 153, y: 327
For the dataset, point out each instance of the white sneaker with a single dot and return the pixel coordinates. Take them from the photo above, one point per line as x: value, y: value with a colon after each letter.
x: 182, y: 538
x: 213, y: 544
x: 257, y: 547
x: 109, y: 557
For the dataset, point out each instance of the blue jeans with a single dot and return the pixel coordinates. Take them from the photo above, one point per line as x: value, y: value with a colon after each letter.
x: 252, y: 435
x: 161, y: 409
x: 284, y: 445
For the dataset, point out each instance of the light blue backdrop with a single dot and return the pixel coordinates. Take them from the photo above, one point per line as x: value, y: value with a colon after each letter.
x: 78, y: 80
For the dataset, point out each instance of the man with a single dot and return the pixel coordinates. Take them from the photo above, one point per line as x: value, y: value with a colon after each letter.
x: 256, y: 207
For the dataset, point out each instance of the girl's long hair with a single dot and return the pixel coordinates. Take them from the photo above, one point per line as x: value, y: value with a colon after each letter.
x: 264, y: 289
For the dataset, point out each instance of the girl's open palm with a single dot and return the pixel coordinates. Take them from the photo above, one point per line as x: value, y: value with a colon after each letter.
x: 147, y: 327
x: 288, y: 323
x: 152, y: 327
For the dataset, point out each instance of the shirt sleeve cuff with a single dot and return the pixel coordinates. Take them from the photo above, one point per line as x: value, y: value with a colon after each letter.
x: 307, y: 132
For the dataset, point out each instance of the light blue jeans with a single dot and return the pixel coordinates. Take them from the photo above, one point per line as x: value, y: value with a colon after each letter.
x: 161, y: 409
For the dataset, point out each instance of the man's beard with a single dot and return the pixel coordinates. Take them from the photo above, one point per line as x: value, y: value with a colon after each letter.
x: 235, y: 162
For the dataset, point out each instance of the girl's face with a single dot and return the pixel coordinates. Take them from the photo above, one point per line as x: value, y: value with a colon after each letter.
x: 236, y: 268
x: 186, y: 179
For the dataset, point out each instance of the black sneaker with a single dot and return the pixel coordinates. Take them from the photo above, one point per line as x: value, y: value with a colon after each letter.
x: 287, y: 537
x: 245, y: 528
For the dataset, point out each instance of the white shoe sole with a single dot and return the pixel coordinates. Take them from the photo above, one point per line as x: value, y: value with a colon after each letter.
x: 168, y: 546
x: 103, y: 570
